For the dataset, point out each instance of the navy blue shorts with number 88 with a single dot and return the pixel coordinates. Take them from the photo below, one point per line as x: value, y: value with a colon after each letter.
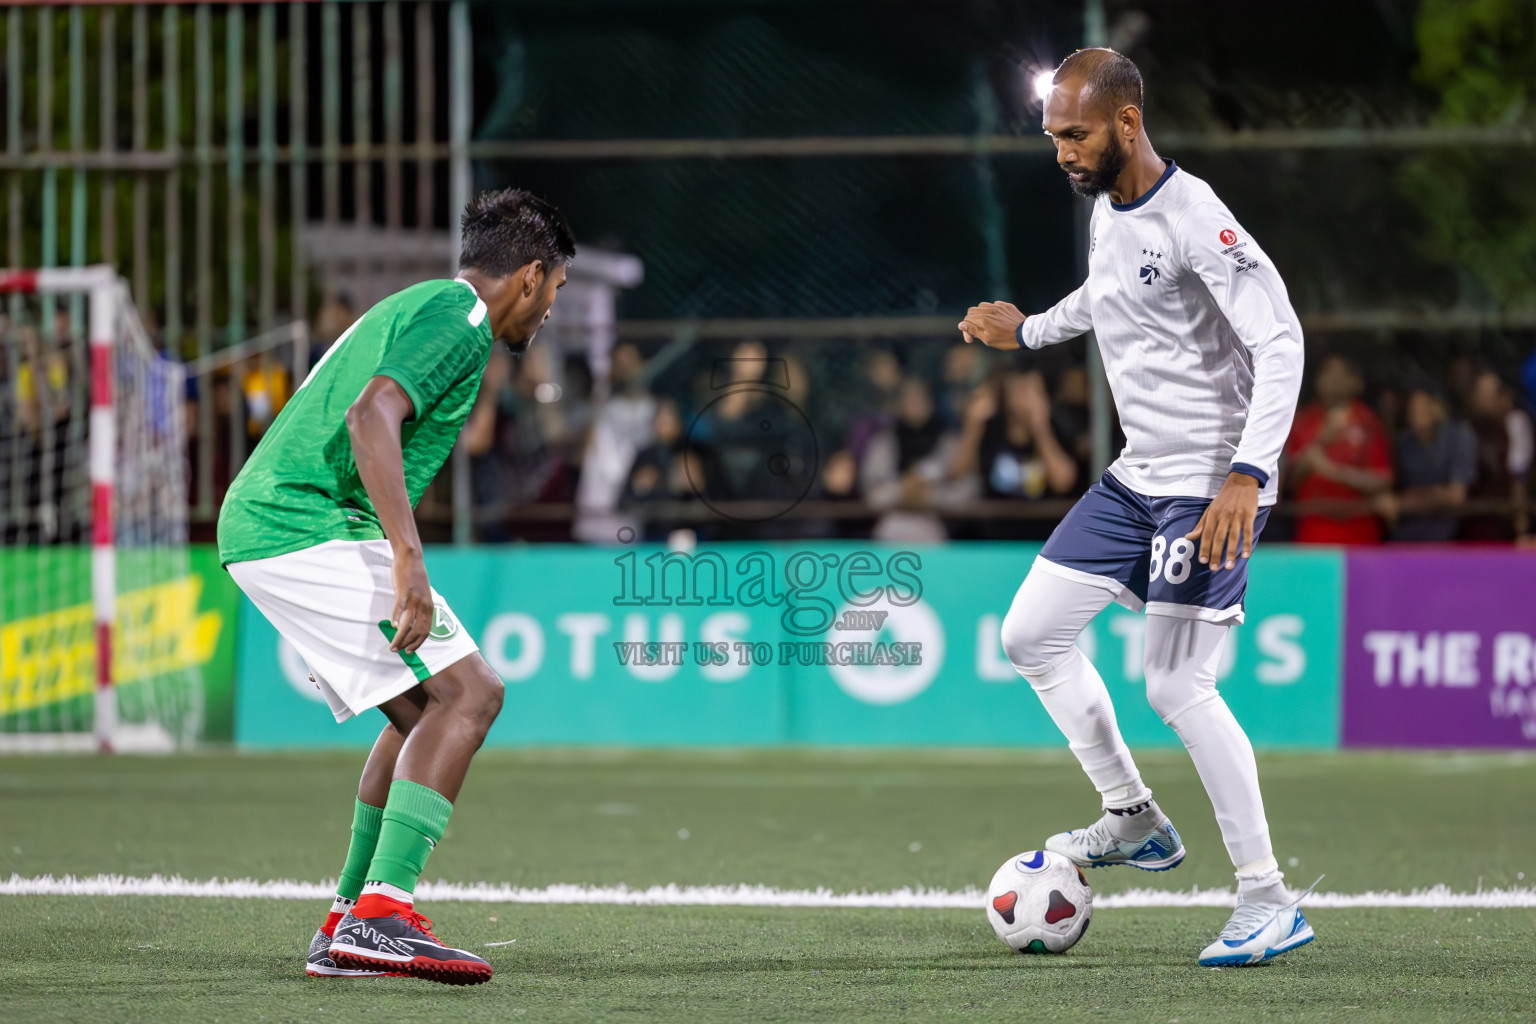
x: 1134, y: 546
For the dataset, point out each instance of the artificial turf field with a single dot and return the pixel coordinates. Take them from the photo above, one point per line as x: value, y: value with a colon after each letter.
x: 871, y: 821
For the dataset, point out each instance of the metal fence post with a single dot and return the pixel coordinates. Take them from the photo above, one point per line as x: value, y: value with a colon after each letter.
x: 298, y: 155
x: 266, y: 226
x: 234, y: 151
x: 330, y: 113
x: 107, y: 119
x: 50, y: 212
x: 202, y: 43
x: 426, y: 107
x: 170, y: 70
x: 141, y: 144
x: 393, y: 117
x: 13, y: 79
x: 362, y: 116
x: 460, y: 111
x: 77, y: 194
x: 1100, y: 403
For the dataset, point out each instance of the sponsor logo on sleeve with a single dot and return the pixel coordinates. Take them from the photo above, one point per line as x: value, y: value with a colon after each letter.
x: 1234, y: 250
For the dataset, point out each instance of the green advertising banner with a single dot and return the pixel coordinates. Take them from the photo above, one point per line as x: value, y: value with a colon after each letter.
x: 829, y: 643
x: 217, y: 596
x: 175, y: 632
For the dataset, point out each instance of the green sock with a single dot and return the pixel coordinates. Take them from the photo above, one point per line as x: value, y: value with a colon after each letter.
x: 414, y: 820
x: 366, y: 820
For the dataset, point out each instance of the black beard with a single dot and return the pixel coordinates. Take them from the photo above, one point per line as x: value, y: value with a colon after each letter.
x: 1103, y: 179
x: 517, y: 348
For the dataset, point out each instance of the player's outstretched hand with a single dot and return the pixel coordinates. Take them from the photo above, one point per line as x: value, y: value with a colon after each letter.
x: 412, y: 617
x: 994, y: 324
x: 1225, y: 531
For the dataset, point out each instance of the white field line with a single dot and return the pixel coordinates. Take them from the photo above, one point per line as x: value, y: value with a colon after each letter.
x: 1438, y: 896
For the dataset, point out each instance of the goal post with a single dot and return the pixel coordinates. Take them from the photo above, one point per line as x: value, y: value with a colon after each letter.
x: 114, y: 404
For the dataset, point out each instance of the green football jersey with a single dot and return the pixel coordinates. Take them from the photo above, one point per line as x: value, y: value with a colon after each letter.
x: 300, y: 486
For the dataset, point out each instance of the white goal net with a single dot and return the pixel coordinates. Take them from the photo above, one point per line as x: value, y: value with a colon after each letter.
x: 98, y: 630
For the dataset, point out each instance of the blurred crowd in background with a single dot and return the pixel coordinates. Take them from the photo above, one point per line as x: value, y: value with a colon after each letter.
x: 929, y: 440
x: 932, y: 441
x: 915, y: 441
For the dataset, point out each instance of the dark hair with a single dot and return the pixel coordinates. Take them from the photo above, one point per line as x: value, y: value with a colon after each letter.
x: 510, y: 228
x: 1112, y: 76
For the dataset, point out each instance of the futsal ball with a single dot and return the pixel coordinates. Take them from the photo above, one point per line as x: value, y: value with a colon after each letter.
x: 1039, y: 902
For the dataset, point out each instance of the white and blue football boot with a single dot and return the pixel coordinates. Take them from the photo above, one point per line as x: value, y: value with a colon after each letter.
x: 1258, y: 932
x: 1097, y: 847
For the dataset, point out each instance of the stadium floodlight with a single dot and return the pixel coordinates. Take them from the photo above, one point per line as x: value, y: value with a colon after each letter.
x: 92, y: 452
x: 1043, y: 84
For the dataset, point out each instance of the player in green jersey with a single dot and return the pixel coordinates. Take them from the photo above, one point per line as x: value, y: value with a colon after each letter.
x: 318, y: 531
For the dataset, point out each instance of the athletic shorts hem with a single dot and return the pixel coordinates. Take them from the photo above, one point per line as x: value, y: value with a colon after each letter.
x: 376, y: 696
x: 331, y: 604
x: 1232, y: 615
x: 1120, y: 592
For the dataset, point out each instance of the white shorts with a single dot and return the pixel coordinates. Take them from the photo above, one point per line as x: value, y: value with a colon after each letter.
x: 332, y: 602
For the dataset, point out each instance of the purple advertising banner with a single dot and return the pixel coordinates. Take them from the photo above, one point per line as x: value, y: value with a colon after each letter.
x: 1440, y: 648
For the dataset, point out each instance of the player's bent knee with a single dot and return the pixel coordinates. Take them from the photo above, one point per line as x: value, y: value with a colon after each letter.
x: 1161, y: 696
x: 1165, y: 692
x: 1171, y: 694
x: 1181, y: 663
x: 495, y: 697
x: 469, y: 689
x: 1028, y: 641
x: 484, y: 693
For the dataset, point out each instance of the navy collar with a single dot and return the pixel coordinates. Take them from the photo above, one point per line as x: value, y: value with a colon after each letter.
x: 1124, y: 207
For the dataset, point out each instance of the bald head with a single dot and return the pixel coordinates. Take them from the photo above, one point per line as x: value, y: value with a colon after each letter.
x: 1111, y: 80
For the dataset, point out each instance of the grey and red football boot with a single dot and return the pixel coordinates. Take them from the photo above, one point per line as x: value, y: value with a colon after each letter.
x: 320, y: 964
x: 381, y: 934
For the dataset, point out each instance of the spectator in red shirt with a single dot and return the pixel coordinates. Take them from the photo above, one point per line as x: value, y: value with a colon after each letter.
x: 1339, y: 457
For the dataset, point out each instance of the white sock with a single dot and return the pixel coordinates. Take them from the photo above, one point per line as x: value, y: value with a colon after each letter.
x: 1039, y: 635
x: 1262, y: 881
x: 1181, y: 659
x: 340, y: 905
x: 1137, y: 823
x: 394, y: 892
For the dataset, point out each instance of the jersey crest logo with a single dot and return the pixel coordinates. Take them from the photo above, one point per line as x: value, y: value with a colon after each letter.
x: 444, y: 625
x: 1149, y: 270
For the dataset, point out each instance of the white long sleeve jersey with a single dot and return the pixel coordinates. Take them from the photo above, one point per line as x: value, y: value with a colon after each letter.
x: 1201, y: 346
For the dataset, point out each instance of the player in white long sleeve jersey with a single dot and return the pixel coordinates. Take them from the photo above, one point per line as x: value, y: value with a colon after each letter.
x: 1204, y: 354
